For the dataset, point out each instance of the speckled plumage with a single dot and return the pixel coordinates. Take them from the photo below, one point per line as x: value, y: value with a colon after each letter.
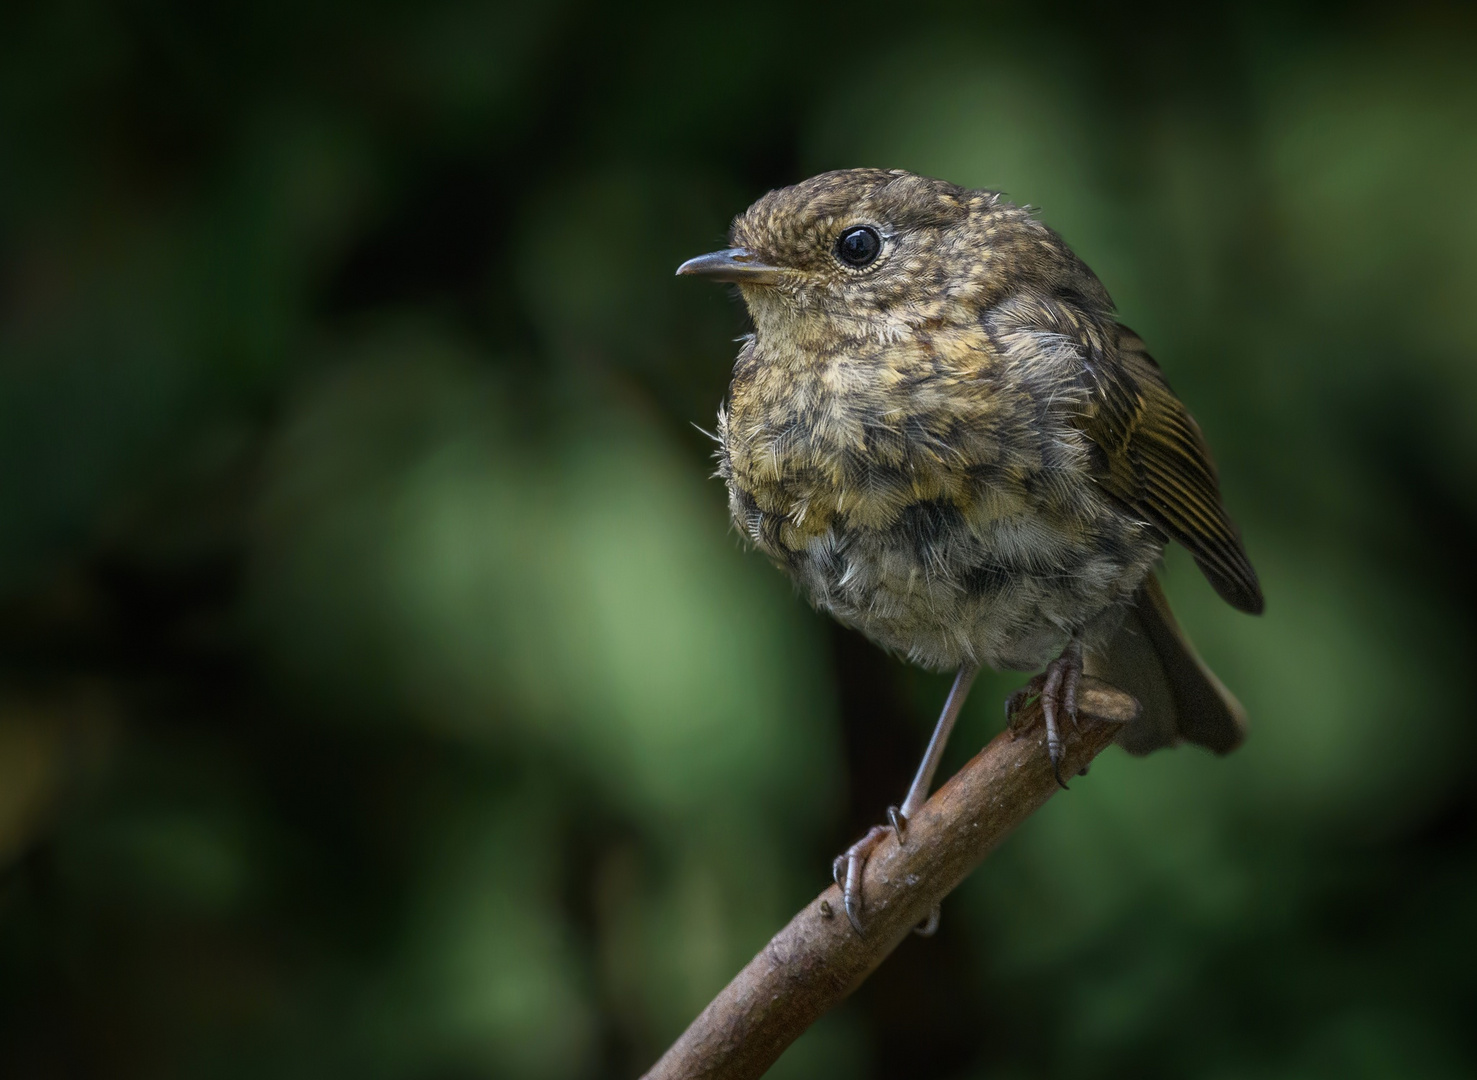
x: 957, y: 450
x: 941, y: 432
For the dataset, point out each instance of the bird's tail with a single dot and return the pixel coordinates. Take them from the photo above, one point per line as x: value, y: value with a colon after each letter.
x: 1182, y: 700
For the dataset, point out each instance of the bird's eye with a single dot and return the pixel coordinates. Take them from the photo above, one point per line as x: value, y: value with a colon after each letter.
x: 859, y: 246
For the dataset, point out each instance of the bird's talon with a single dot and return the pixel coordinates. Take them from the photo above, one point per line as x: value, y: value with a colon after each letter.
x: 1016, y: 704
x: 853, y: 915
x: 847, y: 870
x: 1071, y: 681
x: 929, y: 926
x: 1059, y: 686
x: 1054, y: 751
x: 897, y: 821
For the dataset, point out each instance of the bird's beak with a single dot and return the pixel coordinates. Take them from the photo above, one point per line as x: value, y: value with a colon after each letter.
x: 731, y: 264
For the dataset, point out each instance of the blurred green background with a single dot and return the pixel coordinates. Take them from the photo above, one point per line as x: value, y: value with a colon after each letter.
x: 383, y: 693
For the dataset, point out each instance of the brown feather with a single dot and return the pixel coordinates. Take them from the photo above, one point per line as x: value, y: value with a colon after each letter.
x: 1156, y: 461
x: 1181, y: 698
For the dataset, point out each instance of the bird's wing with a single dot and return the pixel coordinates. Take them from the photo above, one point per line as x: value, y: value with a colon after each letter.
x: 1155, y: 461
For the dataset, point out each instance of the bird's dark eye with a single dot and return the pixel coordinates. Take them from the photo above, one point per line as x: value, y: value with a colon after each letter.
x: 859, y: 246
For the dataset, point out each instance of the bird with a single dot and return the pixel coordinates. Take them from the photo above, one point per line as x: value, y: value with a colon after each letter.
x: 939, y: 429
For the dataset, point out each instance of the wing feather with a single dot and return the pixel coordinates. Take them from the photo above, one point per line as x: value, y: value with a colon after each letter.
x: 1156, y: 462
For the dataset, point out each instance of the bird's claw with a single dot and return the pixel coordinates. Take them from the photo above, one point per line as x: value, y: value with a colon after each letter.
x: 929, y: 926
x: 897, y: 822
x: 848, y: 866
x: 1057, y: 687
x: 1016, y: 702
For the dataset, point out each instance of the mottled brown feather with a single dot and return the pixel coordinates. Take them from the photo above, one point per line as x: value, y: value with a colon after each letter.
x: 1156, y: 461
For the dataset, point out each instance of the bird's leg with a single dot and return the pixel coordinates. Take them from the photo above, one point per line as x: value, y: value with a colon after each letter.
x: 847, y: 869
x: 1057, y: 686
x: 923, y: 778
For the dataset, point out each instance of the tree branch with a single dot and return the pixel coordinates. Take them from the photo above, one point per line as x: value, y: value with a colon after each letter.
x: 818, y: 959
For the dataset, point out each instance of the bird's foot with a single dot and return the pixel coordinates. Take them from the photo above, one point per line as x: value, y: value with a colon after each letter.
x: 929, y: 926
x: 1016, y: 703
x: 1057, y: 687
x: 848, y: 867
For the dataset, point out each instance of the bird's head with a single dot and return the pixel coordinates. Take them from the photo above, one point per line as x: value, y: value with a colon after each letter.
x: 858, y: 252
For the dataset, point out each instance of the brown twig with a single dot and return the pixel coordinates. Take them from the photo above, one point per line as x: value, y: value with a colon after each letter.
x: 818, y: 959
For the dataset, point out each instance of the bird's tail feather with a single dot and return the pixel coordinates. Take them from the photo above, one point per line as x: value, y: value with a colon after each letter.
x: 1182, y: 700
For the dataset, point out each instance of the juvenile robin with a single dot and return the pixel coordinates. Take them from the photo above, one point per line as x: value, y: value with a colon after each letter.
x: 941, y: 432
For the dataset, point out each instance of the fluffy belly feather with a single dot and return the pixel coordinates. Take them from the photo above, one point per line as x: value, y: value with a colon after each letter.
x: 1004, y: 578
x: 949, y: 519
x: 1010, y: 594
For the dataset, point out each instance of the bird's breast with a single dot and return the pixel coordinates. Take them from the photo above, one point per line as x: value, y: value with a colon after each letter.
x: 923, y: 493
x: 862, y: 436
